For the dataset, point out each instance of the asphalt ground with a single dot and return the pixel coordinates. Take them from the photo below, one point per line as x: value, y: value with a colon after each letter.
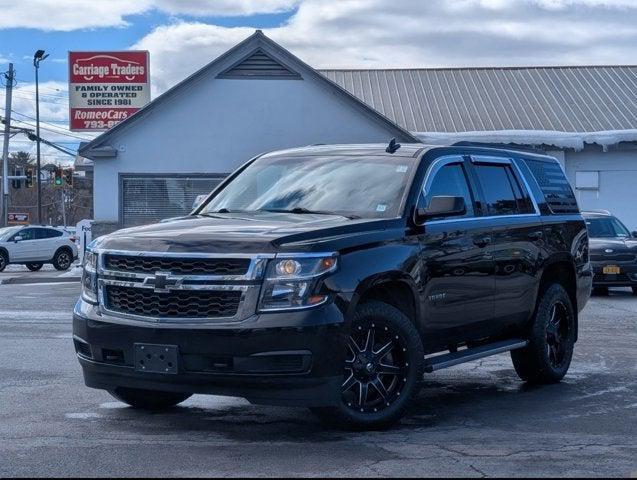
x: 473, y: 420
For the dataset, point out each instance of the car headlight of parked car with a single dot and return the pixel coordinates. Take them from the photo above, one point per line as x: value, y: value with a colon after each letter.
x: 293, y: 282
x: 89, y: 277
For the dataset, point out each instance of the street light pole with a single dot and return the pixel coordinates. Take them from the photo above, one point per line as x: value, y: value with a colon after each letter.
x: 4, y: 199
x: 37, y: 58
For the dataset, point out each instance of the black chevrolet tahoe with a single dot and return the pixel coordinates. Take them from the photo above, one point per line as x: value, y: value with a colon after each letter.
x: 336, y: 277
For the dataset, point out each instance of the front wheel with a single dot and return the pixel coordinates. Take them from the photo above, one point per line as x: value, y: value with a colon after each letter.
x: 34, y: 267
x: 552, y: 339
x: 62, y: 259
x: 4, y: 261
x: 383, y: 370
x: 148, y: 399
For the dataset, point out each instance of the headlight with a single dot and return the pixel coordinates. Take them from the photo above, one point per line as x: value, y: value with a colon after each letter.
x: 292, y: 282
x: 89, y: 277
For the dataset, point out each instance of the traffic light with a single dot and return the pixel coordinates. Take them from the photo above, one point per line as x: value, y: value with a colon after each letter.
x: 68, y: 177
x: 57, y: 178
x: 29, y: 180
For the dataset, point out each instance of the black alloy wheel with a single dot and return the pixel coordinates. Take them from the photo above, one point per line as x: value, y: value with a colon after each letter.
x: 375, y: 369
x: 3, y: 261
x: 63, y: 260
x: 34, y: 267
x: 557, y: 334
x: 382, y: 372
x: 552, y: 335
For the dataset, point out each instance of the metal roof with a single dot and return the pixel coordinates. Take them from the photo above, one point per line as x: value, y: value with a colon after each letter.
x: 567, y: 99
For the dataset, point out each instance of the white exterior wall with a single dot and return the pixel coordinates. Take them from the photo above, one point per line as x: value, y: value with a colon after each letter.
x: 215, y: 125
x: 617, y: 182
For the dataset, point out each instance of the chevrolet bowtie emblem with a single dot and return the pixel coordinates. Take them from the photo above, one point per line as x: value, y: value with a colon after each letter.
x: 163, y: 282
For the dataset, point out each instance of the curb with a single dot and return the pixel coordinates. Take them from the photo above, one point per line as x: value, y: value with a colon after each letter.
x: 26, y: 280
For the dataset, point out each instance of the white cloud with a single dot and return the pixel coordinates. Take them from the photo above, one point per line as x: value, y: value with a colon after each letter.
x: 67, y: 15
x: 417, y: 33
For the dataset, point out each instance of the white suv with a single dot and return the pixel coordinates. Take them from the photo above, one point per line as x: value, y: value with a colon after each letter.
x: 34, y: 246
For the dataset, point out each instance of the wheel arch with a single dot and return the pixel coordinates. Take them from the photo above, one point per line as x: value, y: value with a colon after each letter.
x: 394, y: 288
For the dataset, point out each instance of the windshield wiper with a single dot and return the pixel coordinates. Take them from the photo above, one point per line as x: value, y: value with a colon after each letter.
x: 303, y: 210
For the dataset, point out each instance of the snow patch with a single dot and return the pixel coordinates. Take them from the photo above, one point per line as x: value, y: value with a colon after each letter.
x: 573, y: 140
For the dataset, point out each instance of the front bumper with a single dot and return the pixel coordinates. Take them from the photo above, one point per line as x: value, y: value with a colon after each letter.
x: 292, y: 358
x: 626, y: 278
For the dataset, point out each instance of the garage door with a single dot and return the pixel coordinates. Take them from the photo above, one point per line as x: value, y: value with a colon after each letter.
x: 149, y: 198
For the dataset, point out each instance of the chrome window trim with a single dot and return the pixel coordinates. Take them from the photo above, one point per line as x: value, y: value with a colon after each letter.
x: 440, y: 162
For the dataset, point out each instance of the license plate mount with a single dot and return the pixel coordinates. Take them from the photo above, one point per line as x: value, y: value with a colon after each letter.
x: 612, y: 270
x: 152, y: 358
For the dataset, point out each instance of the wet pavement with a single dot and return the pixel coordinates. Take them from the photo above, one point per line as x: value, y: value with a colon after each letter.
x: 473, y: 420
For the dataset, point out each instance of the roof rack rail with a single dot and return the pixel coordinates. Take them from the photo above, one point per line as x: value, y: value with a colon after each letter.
x: 509, y: 146
x: 598, y: 211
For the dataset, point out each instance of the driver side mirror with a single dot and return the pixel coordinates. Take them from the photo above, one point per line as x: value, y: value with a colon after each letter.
x: 17, y: 239
x: 442, y: 206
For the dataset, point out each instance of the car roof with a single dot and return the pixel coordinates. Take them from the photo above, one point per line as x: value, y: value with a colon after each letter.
x: 596, y: 214
x: 367, y: 149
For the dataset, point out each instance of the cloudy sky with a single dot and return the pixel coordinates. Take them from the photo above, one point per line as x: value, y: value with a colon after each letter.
x: 183, y: 35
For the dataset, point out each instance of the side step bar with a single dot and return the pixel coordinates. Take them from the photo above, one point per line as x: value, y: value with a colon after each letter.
x: 456, y: 358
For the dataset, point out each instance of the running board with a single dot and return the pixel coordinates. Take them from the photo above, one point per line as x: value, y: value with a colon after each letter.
x: 456, y: 358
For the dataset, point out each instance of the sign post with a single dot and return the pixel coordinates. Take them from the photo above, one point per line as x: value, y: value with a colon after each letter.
x: 106, y: 88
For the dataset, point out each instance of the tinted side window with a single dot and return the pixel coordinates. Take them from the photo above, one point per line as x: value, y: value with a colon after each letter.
x: 48, y: 233
x: 554, y: 185
x: 26, y: 234
x: 450, y: 180
x: 497, y: 188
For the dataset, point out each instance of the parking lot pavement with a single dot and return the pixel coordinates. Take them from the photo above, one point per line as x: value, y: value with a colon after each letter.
x: 472, y: 420
x: 19, y: 274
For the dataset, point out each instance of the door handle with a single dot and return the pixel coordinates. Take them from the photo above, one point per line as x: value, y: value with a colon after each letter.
x: 482, y: 241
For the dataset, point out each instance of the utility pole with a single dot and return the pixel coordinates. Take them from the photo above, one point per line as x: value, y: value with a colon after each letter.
x: 63, y: 206
x: 37, y: 58
x: 4, y: 198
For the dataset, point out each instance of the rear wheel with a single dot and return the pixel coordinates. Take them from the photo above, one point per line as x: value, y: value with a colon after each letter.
x: 149, y: 399
x: 34, y: 267
x: 383, y: 370
x: 4, y: 261
x: 62, y: 259
x: 548, y: 355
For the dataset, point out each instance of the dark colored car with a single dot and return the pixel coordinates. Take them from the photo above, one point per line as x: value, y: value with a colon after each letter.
x: 335, y: 277
x: 613, y: 251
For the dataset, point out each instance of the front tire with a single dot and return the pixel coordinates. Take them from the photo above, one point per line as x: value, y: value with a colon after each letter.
x: 63, y: 259
x: 149, y: 399
x: 34, y: 267
x: 4, y: 261
x: 384, y: 369
x: 548, y: 356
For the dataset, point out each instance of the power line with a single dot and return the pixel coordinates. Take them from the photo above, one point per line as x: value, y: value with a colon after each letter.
x: 63, y: 133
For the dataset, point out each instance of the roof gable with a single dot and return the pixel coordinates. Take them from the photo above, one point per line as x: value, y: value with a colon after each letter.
x: 245, y: 50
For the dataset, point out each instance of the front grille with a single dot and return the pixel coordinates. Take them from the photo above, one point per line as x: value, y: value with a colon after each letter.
x: 173, y: 304
x: 177, y: 266
x: 616, y: 257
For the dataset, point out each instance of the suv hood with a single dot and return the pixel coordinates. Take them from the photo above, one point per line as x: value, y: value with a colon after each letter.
x: 262, y: 232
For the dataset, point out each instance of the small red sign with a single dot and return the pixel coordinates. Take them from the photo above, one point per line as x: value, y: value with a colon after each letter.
x: 106, y: 88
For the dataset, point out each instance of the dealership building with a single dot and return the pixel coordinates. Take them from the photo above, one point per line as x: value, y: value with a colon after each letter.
x: 258, y: 97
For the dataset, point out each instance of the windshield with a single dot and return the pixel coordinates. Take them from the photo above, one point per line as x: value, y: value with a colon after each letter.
x: 5, y: 233
x: 607, y: 227
x: 367, y: 187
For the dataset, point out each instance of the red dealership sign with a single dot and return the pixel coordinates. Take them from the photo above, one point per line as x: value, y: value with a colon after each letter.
x: 106, y: 88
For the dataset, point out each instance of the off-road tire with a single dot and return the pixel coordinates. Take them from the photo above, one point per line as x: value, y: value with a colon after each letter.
x: 34, y: 267
x: 408, y: 355
x: 548, y: 356
x: 149, y: 399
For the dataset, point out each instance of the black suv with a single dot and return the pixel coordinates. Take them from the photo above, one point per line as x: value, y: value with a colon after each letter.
x: 335, y: 277
x: 613, y: 251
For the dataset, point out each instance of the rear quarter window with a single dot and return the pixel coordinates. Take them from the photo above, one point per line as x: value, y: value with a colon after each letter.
x: 554, y: 185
